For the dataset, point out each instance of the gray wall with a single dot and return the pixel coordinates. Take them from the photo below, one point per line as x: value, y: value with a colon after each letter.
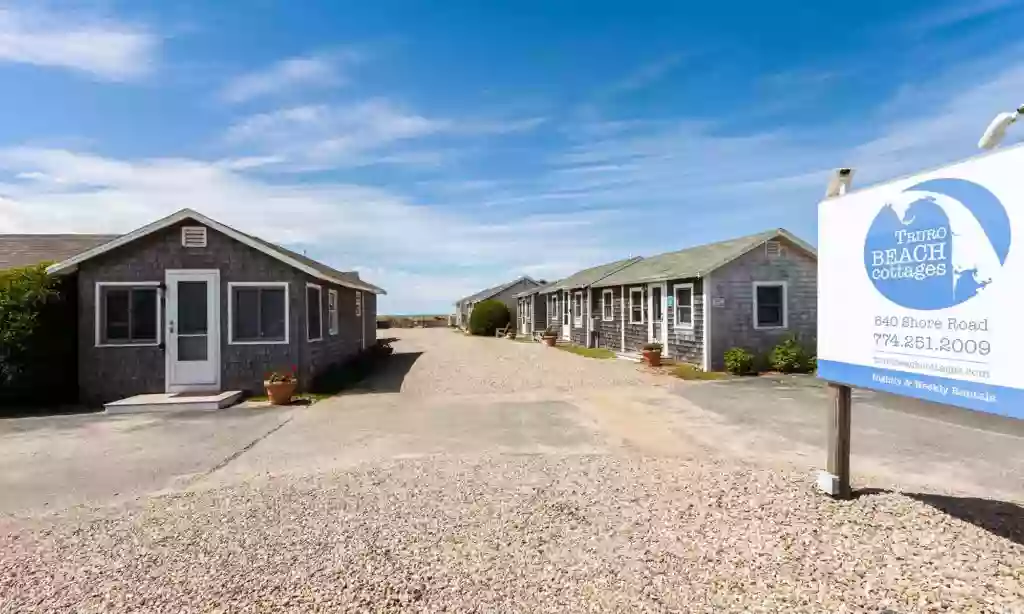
x: 508, y: 296
x: 686, y: 344
x: 609, y: 334
x: 732, y: 325
x: 110, y: 373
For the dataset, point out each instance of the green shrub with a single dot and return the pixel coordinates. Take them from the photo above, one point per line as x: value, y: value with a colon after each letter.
x: 739, y: 361
x: 487, y: 317
x: 791, y: 357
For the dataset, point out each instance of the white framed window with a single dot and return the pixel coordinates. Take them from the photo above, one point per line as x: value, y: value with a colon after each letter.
x: 127, y: 314
x: 257, y: 312
x: 683, y: 305
x: 332, y: 311
x: 770, y: 304
x: 577, y: 308
x: 359, y: 303
x: 607, y: 305
x: 314, y: 313
x: 636, y: 305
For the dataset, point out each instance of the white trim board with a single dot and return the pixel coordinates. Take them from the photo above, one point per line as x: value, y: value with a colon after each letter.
x: 71, y: 264
x: 258, y: 284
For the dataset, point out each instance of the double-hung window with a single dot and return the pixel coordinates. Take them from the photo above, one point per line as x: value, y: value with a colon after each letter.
x: 258, y: 312
x: 684, y: 305
x: 127, y: 314
x: 607, y: 305
x: 770, y: 309
x: 332, y: 312
x: 636, y: 305
x: 314, y: 313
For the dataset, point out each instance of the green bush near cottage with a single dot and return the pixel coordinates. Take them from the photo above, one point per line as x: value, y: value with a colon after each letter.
x: 37, y: 339
x: 791, y: 356
x: 488, y: 316
x: 739, y: 361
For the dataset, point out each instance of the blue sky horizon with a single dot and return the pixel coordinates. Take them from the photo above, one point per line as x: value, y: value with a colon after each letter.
x: 443, y: 149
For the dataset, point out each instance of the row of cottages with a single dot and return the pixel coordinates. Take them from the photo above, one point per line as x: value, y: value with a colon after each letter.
x: 749, y: 292
x: 189, y: 307
x: 506, y: 293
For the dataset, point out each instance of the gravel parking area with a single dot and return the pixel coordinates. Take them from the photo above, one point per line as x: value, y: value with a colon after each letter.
x: 459, y: 364
x: 515, y: 534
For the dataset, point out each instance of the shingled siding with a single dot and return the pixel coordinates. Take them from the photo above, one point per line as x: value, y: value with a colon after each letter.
x: 331, y: 349
x: 369, y: 318
x: 609, y: 332
x: 683, y: 343
x: 732, y: 323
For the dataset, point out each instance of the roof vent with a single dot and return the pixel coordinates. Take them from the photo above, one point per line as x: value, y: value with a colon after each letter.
x: 772, y: 249
x: 193, y: 236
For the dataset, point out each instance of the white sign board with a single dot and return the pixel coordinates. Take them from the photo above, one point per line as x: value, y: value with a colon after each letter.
x: 921, y: 285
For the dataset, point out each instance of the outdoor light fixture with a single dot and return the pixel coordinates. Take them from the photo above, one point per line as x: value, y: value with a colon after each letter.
x: 997, y: 129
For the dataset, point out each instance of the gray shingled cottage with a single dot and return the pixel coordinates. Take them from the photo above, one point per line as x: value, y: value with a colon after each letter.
x: 189, y: 305
x: 567, y: 304
x: 506, y: 293
x: 749, y: 292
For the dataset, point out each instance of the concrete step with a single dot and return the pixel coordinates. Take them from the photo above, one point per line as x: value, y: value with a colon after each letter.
x: 179, y: 401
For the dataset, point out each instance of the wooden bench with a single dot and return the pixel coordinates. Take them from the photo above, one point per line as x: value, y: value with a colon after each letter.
x: 501, y: 332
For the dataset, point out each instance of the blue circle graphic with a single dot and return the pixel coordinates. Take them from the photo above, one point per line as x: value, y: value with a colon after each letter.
x: 909, y: 259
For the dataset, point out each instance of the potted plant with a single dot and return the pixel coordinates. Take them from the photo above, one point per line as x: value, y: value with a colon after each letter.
x: 549, y: 337
x: 652, y: 354
x: 280, y: 386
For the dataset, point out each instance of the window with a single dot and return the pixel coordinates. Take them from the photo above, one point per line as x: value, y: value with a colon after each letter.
x: 577, y: 308
x: 553, y: 307
x: 636, y: 305
x: 607, y: 304
x: 684, y: 306
x: 258, y: 312
x: 770, y: 304
x: 314, y: 313
x: 565, y: 308
x: 332, y: 311
x: 659, y: 311
x: 359, y: 304
x: 127, y: 314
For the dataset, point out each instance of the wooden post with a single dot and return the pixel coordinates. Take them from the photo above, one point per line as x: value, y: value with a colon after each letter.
x: 837, y: 483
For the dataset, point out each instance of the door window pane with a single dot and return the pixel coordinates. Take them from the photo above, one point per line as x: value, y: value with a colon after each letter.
x: 656, y: 301
x: 192, y: 348
x: 192, y: 303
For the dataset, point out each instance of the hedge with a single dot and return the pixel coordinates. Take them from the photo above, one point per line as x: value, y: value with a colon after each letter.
x: 488, y: 316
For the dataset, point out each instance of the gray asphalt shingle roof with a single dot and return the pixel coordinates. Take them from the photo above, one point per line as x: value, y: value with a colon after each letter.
x: 695, y: 261
x: 588, y: 277
x: 489, y: 292
x: 24, y: 250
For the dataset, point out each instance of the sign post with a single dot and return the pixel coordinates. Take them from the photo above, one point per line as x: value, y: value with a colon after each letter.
x: 919, y: 292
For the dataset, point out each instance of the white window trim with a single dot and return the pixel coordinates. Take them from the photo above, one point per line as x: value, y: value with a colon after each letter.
x: 607, y: 299
x: 332, y: 314
x: 130, y: 284
x: 231, y: 311
x: 320, y: 307
x: 577, y: 305
x: 639, y: 290
x: 785, y: 303
x: 675, y: 299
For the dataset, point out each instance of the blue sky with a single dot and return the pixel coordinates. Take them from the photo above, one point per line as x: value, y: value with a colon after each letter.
x: 443, y: 147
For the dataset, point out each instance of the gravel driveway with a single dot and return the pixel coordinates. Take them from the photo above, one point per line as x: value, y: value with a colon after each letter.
x: 487, y: 475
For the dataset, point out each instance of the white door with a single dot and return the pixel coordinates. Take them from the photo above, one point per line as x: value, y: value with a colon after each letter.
x: 657, y: 315
x: 566, y: 314
x: 193, y: 330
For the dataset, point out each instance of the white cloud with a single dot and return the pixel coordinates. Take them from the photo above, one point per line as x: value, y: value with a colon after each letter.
x: 341, y: 224
x: 104, y: 48
x: 322, y: 70
x: 313, y: 137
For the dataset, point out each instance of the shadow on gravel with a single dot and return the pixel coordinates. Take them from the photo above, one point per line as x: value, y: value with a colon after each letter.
x: 1000, y: 518
x: 390, y: 375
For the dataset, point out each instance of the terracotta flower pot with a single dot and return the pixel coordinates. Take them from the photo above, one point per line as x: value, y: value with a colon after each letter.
x: 652, y: 357
x: 550, y: 341
x: 280, y: 393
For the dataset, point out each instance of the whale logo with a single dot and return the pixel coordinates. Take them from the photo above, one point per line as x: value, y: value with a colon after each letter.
x: 946, y: 246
